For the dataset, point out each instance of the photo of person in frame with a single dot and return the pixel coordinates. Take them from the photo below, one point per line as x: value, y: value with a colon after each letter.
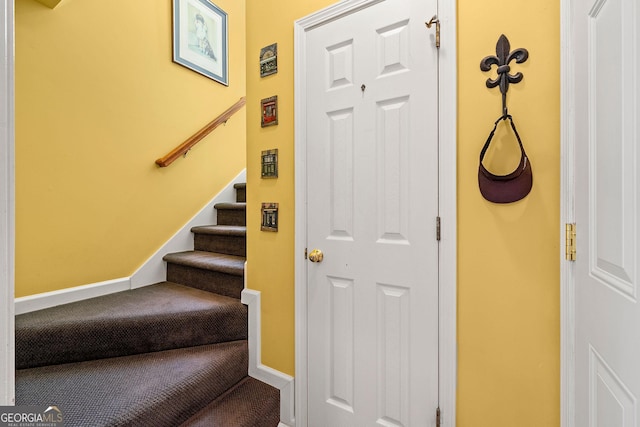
x: 199, y: 37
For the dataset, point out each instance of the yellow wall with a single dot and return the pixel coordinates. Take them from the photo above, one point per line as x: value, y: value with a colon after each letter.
x: 98, y: 100
x: 508, y: 268
x: 508, y: 256
x: 270, y: 255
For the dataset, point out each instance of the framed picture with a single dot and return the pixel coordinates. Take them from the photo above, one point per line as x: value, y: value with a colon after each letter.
x: 269, y: 60
x: 270, y: 163
x: 269, y: 217
x: 269, y: 111
x: 200, y: 38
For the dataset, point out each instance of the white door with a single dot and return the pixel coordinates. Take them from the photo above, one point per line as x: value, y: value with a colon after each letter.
x: 607, y: 203
x: 372, y: 179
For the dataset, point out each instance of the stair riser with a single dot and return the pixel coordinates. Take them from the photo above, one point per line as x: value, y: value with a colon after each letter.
x: 232, y: 217
x: 230, y: 245
x: 265, y: 405
x: 241, y: 195
x: 212, y: 281
x: 114, y: 339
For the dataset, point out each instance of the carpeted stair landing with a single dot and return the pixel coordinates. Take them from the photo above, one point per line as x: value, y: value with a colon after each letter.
x: 170, y: 354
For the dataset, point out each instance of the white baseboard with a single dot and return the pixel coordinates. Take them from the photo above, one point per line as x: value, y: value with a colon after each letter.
x: 257, y: 370
x: 154, y: 270
x: 66, y: 296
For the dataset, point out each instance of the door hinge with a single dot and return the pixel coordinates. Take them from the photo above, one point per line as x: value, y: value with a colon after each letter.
x: 570, y: 242
x: 305, y: 253
x: 438, y: 228
x: 438, y: 417
x: 436, y: 21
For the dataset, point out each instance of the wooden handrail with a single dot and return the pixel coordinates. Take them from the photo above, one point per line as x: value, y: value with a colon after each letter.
x: 183, y: 148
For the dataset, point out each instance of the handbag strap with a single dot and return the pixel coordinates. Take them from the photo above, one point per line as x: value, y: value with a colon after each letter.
x: 493, y: 131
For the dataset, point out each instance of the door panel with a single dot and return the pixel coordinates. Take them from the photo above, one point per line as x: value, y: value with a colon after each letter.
x: 607, y: 214
x: 611, y: 402
x: 612, y: 144
x: 372, y: 175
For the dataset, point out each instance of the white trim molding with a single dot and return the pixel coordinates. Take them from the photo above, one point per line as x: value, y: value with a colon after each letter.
x: 300, y: 243
x: 66, y: 296
x: 257, y: 370
x: 7, y: 205
x: 447, y: 193
x: 447, y: 190
x: 567, y: 215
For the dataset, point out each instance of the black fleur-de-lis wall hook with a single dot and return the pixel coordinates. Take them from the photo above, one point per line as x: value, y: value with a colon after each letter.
x: 502, y: 59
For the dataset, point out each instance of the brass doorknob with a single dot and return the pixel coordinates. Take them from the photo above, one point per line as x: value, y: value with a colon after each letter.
x: 316, y: 255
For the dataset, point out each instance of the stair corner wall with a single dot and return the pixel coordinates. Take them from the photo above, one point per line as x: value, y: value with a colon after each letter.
x: 277, y: 379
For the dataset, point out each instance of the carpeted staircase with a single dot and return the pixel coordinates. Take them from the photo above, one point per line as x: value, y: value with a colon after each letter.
x: 170, y: 354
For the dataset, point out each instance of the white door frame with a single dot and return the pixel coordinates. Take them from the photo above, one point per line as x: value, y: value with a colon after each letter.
x: 567, y: 215
x: 447, y: 199
x: 7, y: 206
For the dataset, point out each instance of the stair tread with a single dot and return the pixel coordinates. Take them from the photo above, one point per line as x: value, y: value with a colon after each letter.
x: 238, y: 206
x: 229, y: 264
x: 161, y: 389
x: 221, y: 230
x: 250, y: 403
x: 167, y: 315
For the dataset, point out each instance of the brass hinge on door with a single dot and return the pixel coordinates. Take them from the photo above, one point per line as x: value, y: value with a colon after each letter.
x: 436, y: 21
x: 438, y: 417
x: 570, y: 242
